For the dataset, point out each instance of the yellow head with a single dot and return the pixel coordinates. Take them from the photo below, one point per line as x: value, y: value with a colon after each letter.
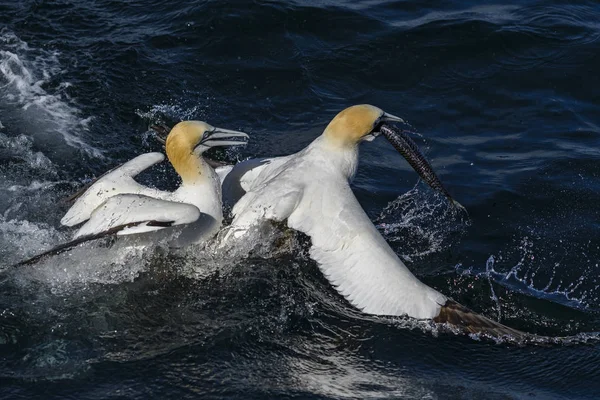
x: 189, y: 139
x: 354, y: 124
x: 180, y: 146
x: 351, y: 125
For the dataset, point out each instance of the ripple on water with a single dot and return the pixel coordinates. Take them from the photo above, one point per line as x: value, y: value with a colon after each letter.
x: 493, y: 84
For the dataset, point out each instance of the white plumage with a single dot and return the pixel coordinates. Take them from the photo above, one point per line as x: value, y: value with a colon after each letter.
x: 137, y: 213
x: 117, y: 204
x: 310, y: 189
x: 115, y: 182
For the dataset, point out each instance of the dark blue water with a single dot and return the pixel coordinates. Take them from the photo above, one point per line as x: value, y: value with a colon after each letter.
x: 505, y: 96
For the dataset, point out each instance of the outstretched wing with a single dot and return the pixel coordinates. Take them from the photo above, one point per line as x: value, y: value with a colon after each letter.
x: 116, y: 181
x: 238, y: 179
x: 356, y: 259
x: 137, y: 214
x: 126, y: 214
x: 349, y: 250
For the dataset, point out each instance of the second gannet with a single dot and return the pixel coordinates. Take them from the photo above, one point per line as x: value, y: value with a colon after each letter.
x: 116, y: 204
x: 311, y: 191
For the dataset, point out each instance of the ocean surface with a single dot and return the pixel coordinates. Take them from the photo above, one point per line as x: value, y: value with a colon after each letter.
x: 505, y: 98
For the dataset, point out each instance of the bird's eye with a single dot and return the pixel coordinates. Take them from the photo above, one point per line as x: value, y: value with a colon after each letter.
x: 207, y: 135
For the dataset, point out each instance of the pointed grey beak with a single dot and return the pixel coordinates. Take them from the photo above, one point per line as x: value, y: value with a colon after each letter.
x: 391, y: 118
x: 382, y: 120
x: 219, y: 136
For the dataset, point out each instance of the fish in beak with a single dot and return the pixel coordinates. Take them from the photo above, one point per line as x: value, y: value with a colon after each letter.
x: 410, y: 151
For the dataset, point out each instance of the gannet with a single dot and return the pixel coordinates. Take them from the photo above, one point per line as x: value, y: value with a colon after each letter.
x: 116, y: 204
x: 311, y: 191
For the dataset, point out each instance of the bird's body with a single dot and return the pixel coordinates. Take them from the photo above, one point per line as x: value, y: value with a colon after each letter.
x: 117, y: 199
x: 311, y: 191
x: 115, y: 204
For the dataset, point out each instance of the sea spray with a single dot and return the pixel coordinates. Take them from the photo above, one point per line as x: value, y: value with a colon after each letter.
x: 47, y: 112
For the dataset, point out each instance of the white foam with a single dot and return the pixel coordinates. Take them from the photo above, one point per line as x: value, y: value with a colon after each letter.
x: 33, y: 186
x: 419, y: 221
x: 77, y: 268
x: 265, y: 241
x: 21, y: 147
x: 171, y: 110
x: 522, y: 277
x: 21, y: 239
x: 24, y: 74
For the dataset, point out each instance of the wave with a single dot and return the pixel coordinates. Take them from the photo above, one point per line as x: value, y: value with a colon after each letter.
x: 36, y: 103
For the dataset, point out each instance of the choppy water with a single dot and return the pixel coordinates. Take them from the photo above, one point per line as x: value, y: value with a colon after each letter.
x: 505, y: 96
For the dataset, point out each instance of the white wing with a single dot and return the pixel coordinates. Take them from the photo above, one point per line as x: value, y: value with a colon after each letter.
x: 125, y: 214
x: 349, y: 250
x: 356, y: 259
x: 238, y: 179
x: 116, y: 181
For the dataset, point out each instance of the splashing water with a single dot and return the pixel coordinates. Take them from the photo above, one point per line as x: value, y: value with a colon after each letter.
x: 21, y: 239
x: 489, y: 266
x: 539, y: 279
x: 25, y: 76
x: 420, y: 224
x: 20, y: 149
x: 173, y: 110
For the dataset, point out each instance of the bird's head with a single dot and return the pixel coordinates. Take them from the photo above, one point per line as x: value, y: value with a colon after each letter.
x: 356, y: 124
x: 364, y: 123
x: 198, y: 136
x: 189, y: 139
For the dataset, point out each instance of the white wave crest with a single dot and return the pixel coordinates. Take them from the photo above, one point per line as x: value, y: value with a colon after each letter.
x: 25, y: 74
x: 20, y: 147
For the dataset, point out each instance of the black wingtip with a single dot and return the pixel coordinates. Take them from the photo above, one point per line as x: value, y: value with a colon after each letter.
x: 459, y: 207
x: 61, y: 248
x: 469, y: 321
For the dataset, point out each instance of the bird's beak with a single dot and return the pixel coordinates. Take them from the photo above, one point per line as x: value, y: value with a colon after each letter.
x: 391, y: 118
x: 221, y: 137
x: 383, y: 119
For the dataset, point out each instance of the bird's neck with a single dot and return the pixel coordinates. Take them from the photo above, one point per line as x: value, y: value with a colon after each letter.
x: 200, y: 186
x: 190, y: 166
x: 342, y: 158
x: 205, y: 194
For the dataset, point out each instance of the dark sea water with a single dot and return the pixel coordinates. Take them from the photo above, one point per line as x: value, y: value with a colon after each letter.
x: 505, y: 96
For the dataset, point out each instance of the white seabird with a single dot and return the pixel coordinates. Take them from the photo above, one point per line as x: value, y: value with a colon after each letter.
x: 311, y: 191
x: 116, y: 204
